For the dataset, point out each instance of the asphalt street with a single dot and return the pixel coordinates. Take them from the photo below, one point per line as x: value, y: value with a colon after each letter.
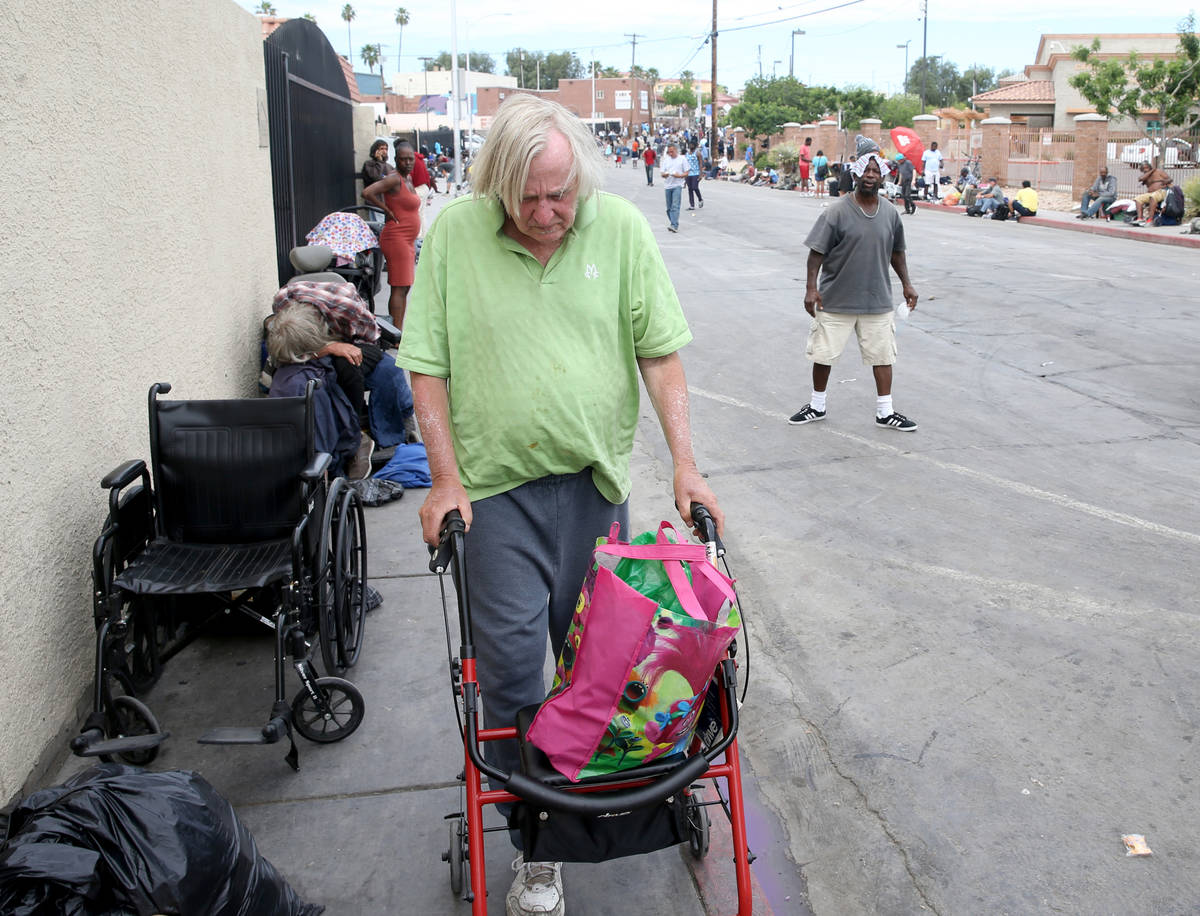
x: 974, y: 659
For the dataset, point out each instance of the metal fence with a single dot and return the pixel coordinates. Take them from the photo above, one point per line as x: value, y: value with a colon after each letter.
x: 1127, y: 151
x: 1042, y: 156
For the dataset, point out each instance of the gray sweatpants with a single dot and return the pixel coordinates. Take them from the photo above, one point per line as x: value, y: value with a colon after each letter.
x: 527, y: 553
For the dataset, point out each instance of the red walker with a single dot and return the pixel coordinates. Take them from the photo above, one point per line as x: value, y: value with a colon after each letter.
x: 655, y: 784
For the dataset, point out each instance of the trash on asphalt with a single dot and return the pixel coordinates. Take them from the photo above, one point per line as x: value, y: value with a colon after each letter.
x: 1135, y: 845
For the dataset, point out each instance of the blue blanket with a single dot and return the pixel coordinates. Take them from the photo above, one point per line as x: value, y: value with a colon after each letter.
x: 409, y: 466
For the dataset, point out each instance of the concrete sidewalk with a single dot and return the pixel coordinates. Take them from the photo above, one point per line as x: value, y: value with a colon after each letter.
x: 360, y: 828
x: 1053, y: 219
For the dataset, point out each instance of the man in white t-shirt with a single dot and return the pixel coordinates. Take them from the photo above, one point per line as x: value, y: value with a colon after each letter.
x: 674, y: 173
x: 931, y: 159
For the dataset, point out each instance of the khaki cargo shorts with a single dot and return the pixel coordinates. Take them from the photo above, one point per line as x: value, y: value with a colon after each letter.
x: 830, y: 330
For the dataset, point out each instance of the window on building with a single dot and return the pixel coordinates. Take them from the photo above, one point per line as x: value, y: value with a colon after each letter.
x: 599, y: 93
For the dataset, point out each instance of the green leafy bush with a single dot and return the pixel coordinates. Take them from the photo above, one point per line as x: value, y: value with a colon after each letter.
x: 787, y: 155
x: 1191, y: 195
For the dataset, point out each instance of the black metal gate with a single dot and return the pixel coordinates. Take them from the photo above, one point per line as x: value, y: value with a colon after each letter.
x: 311, y: 120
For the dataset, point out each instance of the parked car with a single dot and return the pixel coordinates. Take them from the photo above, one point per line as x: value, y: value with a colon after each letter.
x: 1177, y: 153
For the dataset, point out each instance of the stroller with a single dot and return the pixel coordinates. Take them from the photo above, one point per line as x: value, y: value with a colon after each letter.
x: 352, y: 234
x: 652, y: 806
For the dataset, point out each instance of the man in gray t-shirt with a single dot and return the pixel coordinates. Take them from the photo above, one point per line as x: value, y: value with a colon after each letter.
x: 850, y: 249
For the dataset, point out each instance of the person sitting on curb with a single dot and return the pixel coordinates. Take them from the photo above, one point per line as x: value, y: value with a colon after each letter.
x: 1099, y: 196
x: 1026, y: 201
x: 991, y: 197
x: 1156, y: 181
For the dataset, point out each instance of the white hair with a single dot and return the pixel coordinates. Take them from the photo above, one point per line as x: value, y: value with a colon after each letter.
x: 519, y: 133
x: 296, y: 333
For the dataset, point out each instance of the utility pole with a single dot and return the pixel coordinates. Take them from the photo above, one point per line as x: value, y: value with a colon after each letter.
x: 712, y: 120
x: 792, y: 58
x: 760, y: 76
x: 924, y: 50
x: 425, y: 62
x: 633, y: 93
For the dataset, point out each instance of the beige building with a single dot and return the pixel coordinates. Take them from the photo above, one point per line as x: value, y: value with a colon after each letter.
x: 614, y: 98
x: 1044, y: 97
x: 142, y: 250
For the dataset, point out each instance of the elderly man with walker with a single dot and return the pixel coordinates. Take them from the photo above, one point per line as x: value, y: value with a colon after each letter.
x: 537, y: 303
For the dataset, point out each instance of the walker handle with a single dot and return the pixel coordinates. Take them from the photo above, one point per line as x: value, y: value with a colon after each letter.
x: 703, y: 520
x: 439, y: 557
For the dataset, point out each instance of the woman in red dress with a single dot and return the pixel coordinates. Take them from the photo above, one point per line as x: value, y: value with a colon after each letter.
x: 396, y: 196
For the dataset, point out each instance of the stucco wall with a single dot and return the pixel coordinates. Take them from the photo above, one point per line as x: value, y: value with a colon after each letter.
x: 136, y: 222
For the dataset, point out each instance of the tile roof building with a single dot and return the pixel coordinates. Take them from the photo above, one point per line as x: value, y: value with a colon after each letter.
x: 1044, y: 97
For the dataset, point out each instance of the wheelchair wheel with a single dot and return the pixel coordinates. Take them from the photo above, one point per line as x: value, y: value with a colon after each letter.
x: 324, y: 593
x: 349, y: 577
x: 343, y: 711
x: 128, y: 716
x: 697, y: 824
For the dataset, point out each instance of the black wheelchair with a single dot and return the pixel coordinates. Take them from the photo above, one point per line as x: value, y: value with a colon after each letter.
x: 240, y: 517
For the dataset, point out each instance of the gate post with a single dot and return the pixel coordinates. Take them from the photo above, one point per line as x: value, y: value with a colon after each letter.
x: 1091, y: 151
x: 994, y: 159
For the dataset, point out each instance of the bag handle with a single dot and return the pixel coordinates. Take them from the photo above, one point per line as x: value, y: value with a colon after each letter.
x: 673, y: 556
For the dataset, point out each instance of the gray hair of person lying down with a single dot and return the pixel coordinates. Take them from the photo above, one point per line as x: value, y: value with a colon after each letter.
x: 520, y: 132
x: 296, y: 333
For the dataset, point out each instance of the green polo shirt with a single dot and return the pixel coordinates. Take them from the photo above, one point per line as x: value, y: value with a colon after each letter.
x: 541, y: 362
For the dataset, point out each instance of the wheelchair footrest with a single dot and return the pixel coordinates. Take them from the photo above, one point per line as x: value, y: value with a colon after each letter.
x: 235, y: 735
x: 127, y: 745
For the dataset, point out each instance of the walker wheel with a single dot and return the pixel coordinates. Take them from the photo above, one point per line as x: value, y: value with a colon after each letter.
x: 456, y: 855
x: 697, y: 825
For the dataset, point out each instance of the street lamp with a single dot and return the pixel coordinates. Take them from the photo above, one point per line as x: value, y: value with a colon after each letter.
x: 905, y: 47
x: 773, y: 63
x: 792, y: 58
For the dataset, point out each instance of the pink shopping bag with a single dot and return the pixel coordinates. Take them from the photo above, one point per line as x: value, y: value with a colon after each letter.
x: 633, y: 672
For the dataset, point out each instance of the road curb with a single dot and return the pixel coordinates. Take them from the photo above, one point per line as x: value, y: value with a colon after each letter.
x: 1073, y: 225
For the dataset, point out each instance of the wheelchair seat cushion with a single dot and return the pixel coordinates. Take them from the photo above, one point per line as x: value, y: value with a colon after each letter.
x: 170, y: 568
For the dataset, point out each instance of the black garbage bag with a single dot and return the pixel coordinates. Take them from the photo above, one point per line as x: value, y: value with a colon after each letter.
x: 119, y: 839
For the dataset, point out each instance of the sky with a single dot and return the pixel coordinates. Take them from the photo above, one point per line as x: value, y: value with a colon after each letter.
x: 845, y: 42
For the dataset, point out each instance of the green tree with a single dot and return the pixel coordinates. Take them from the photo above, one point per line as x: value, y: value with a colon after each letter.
x: 265, y: 9
x: 1169, y: 89
x: 856, y: 103
x: 973, y: 81
x: 310, y: 17
x: 402, y: 19
x: 940, y: 79
x: 348, y: 14
x: 560, y: 65
x: 480, y: 62
x: 898, y: 110
x: 370, y: 56
x: 680, y: 96
x: 518, y: 62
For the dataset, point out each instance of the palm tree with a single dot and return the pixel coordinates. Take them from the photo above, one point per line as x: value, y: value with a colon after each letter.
x: 348, y: 14
x: 265, y: 9
x: 370, y: 56
x: 402, y: 21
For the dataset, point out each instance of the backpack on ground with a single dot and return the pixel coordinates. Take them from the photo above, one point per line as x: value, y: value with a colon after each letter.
x: 1173, y: 207
x: 1001, y: 212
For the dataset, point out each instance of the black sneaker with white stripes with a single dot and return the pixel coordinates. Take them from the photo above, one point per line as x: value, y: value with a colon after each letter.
x: 896, y: 421
x: 806, y: 415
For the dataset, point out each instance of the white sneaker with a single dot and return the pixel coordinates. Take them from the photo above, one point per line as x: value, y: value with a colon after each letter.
x: 536, y: 890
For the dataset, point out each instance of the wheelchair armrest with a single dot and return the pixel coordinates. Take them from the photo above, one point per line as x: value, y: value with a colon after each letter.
x: 317, y: 467
x: 389, y: 334
x: 123, y: 475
